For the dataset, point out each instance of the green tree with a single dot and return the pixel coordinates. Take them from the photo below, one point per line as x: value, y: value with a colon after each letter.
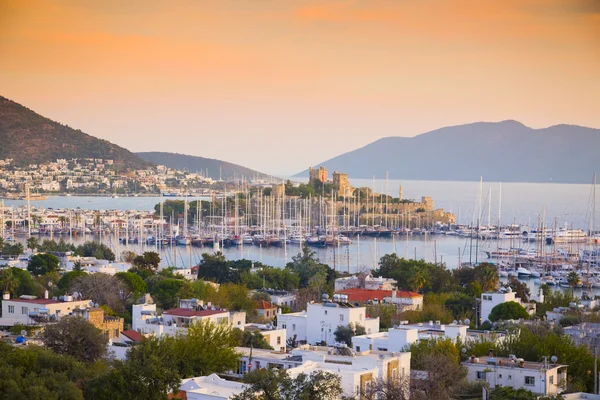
x: 32, y: 243
x: 95, y: 249
x: 276, y: 384
x: 8, y: 281
x: 573, y: 280
x: 521, y: 289
x: 345, y: 333
x: 206, y: 348
x: 306, y: 265
x: 41, y: 264
x: 508, y: 310
x: 253, y: 339
x: 149, y: 261
x: 76, y: 337
x: 13, y: 250
x: 1, y: 243
x: 133, y: 287
x: 67, y: 279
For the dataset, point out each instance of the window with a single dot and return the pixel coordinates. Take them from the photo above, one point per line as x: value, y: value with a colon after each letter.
x: 293, y: 327
x: 283, y: 326
x: 24, y: 310
x: 510, y: 377
x: 551, y: 380
x: 358, y: 349
x: 481, y: 375
x: 325, y: 312
x: 342, y: 317
x: 500, y: 376
x: 278, y: 339
x: 530, y: 380
x: 11, y: 309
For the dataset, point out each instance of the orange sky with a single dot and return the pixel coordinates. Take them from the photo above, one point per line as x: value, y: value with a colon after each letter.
x: 277, y: 85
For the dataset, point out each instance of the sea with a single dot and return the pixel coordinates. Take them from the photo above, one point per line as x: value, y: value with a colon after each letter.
x: 521, y: 203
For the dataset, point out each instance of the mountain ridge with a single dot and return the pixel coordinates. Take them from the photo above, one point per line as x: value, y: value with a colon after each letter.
x: 506, y: 151
x: 216, y: 168
x: 30, y: 138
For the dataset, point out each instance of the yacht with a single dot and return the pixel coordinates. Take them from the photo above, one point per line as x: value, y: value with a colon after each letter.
x: 568, y: 236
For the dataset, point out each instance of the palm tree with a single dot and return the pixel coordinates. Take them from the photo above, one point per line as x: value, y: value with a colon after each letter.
x: 32, y: 243
x: 487, y: 276
x: 417, y: 279
x: 573, y: 280
x: 1, y: 243
x: 36, y: 219
x: 8, y: 281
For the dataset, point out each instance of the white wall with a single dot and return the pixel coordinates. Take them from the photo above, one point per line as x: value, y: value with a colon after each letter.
x: 294, y: 324
x: 514, y: 377
x: 491, y: 300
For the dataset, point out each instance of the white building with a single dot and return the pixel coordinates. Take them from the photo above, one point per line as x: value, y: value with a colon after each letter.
x: 357, y: 370
x: 543, y: 379
x: 276, y: 337
x: 281, y: 297
x: 401, y: 337
x: 29, y: 310
x: 320, y: 320
x: 146, y: 321
x: 210, y: 387
x: 370, y: 283
x: 489, y: 300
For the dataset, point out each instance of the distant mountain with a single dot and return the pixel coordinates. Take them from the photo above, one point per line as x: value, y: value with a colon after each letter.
x: 184, y: 162
x: 506, y: 151
x: 28, y: 137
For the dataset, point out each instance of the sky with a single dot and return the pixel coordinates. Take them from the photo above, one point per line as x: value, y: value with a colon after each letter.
x: 278, y: 85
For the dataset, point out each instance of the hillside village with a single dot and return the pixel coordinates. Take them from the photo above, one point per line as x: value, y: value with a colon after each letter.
x: 408, y: 329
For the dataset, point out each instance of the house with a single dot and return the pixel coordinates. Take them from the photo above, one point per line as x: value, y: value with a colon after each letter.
x: 147, y: 321
x: 266, y: 310
x: 489, y: 300
x: 408, y: 301
x: 276, y: 337
x: 542, y: 378
x: 320, y: 320
x: 210, y: 387
x: 400, y: 337
x: 29, y: 310
x: 110, y: 326
x: 357, y: 370
x: 367, y: 282
x: 281, y: 298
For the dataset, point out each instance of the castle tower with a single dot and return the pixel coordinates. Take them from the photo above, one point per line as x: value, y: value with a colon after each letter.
x: 401, y: 197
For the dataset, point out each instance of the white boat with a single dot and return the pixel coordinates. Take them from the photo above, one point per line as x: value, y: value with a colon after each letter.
x: 568, y: 236
x: 521, y: 271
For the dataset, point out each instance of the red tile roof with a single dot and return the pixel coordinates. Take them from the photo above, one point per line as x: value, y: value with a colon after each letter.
x: 265, y: 305
x: 364, y: 295
x: 186, y: 312
x: 133, y: 335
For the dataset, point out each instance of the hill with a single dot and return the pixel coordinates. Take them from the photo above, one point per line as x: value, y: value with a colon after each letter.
x: 506, y: 151
x: 28, y: 137
x: 185, y: 162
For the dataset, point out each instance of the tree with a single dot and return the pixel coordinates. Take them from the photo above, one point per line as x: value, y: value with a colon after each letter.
x: 508, y: 310
x: 521, y: 289
x: 100, y: 288
x: 32, y: 243
x: 1, y: 243
x: 8, y: 281
x: 95, y: 249
x: 149, y: 261
x: 133, y: 286
x: 41, y: 264
x: 389, y: 389
x: 76, y: 337
x: 206, y: 348
x: 14, y: 250
x: 306, y: 265
x: 573, y: 280
x: 253, y: 339
x: 128, y: 256
x: 345, y: 333
x: 276, y: 384
x: 67, y: 279
x: 444, y: 377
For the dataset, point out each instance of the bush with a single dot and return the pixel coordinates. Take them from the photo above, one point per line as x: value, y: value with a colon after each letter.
x: 508, y: 310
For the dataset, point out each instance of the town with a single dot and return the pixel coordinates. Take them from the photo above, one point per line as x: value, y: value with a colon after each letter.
x: 227, y: 329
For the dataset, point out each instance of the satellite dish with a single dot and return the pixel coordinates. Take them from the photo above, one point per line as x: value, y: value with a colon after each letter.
x: 463, y: 350
x: 554, y: 359
x: 96, y: 305
x: 467, y: 321
x: 23, y: 332
x: 91, y: 304
x: 455, y: 322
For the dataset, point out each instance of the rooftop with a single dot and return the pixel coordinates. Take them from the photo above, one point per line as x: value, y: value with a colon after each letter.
x: 364, y: 295
x: 186, y: 312
x: 513, y: 363
x: 45, y: 301
x: 133, y: 335
x: 265, y: 305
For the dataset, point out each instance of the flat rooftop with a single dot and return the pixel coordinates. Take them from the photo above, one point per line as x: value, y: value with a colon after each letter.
x: 508, y: 363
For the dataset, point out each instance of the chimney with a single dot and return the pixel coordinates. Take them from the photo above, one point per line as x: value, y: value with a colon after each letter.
x: 6, y: 296
x: 45, y: 294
